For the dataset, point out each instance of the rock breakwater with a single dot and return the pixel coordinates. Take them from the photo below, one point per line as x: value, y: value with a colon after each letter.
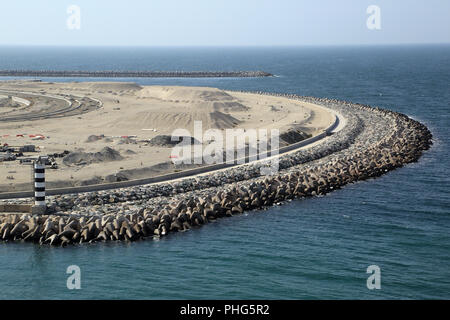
x: 373, y: 142
x: 134, y: 74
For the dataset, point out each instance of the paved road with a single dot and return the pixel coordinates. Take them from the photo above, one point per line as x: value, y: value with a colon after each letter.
x: 70, y: 106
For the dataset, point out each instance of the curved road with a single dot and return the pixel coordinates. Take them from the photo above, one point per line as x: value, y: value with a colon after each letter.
x: 70, y: 107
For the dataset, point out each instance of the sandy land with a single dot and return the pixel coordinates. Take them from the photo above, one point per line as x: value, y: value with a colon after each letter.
x: 112, y: 142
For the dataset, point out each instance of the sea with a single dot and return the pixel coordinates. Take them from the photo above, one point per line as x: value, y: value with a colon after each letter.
x: 318, y: 248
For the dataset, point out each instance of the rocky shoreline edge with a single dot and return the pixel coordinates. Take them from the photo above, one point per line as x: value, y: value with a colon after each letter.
x: 373, y: 142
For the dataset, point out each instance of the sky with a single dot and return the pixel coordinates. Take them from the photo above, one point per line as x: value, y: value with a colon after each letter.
x: 223, y: 22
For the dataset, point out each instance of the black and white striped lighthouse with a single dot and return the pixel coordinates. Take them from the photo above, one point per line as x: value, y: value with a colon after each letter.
x: 39, y: 182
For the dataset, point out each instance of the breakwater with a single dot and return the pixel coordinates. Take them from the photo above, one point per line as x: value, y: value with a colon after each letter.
x: 133, y: 74
x: 373, y: 142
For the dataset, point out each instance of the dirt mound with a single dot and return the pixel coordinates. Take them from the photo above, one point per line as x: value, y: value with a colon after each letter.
x: 94, y: 138
x: 166, y: 141
x: 205, y: 99
x: 293, y: 136
x: 107, y: 86
x: 222, y: 121
x: 84, y: 158
x: 231, y: 106
x: 8, y: 103
x: 185, y: 94
x: 178, y: 107
x: 174, y: 118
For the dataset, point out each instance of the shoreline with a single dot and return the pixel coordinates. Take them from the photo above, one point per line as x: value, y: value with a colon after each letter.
x: 373, y: 142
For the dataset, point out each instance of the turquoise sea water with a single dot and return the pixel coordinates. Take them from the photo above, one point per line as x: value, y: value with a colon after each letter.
x: 305, y: 249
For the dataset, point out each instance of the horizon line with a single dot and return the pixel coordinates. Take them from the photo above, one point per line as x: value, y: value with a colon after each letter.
x: 228, y: 46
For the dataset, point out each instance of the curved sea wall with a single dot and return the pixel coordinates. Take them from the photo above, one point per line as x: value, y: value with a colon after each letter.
x: 373, y: 142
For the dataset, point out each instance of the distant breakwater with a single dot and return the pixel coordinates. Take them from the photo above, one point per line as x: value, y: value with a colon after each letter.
x: 133, y: 74
x: 373, y: 142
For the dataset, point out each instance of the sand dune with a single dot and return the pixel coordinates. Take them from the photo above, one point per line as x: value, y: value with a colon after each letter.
x: 175, y: 119
x: 107, y: 87
x: 202, y: 98
x: 185, y: 93
x: 179, y: 107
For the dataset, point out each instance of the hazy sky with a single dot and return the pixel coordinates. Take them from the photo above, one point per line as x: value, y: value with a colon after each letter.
x: 223, y: 22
